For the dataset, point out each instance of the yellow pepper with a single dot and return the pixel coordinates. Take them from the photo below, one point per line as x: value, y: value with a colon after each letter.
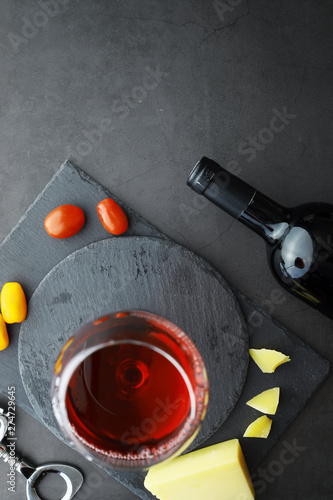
x: 4, y: 340
x: 13, y: 303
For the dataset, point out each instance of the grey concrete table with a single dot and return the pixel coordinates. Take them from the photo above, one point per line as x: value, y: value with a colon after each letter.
x: 135, y: 93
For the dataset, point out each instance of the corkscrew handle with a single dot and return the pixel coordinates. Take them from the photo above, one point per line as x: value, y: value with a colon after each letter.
x: 72, y: 476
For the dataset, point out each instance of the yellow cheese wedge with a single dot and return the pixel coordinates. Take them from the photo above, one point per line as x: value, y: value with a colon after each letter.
x: 218, y: 472
x: 267, y: 401
x: 260, y: 428
x: 267, y: 359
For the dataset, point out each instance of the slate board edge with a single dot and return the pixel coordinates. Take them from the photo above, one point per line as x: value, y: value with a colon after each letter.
x: 86, y: 178
x: 289, y: 334
x: 24, y: 216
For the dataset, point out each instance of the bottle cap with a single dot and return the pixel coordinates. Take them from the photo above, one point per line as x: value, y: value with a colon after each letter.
x: 220, y: 187
x: 202, y: 174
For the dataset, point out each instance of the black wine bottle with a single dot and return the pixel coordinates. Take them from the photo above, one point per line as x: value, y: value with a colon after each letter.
x: 299, y: 240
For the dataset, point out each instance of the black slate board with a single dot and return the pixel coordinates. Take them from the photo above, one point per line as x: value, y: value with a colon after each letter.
x: 23, y: 259
x: 143, y: 273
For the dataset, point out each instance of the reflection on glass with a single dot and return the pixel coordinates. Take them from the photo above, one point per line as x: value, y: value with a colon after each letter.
x: 296, y: 253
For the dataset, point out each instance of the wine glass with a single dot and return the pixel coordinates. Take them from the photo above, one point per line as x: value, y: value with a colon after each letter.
x: 130, y: 390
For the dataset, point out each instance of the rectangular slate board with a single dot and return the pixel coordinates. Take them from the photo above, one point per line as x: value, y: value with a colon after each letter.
x: 23, y: 259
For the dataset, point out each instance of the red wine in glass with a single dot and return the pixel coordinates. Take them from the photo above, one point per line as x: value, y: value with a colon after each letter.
x: 130, y: 390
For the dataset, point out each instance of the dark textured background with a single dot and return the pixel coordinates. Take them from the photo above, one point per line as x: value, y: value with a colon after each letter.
x: 64, y: 93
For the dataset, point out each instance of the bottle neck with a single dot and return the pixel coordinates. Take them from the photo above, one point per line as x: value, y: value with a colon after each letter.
x: 239, y: 199
x: 266, y: 217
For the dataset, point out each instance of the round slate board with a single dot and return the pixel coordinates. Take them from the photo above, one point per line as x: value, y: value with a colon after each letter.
x: 136, y: 273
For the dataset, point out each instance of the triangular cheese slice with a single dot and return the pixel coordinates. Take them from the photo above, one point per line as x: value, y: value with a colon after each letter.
x: 267, y: 401
x: 267, y: 359
x: 260, y: 428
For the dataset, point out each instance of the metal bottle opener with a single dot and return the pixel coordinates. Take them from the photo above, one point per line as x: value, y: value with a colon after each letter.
x: 34, y: 475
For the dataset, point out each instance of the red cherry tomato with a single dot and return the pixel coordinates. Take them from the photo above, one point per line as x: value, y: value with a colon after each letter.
x: 112, y: 216
x: 64, y: 221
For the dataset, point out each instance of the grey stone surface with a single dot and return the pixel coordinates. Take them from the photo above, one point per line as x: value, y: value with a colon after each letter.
x: 227, y: 71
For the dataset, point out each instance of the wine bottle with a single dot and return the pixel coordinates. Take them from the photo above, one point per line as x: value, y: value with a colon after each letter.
x: 299, y: 240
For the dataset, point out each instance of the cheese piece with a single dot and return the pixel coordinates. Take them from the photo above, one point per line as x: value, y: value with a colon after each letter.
x: 267, y: 359
x: 218, y: 472
x: 260, y: 428
x: 267, y: 401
